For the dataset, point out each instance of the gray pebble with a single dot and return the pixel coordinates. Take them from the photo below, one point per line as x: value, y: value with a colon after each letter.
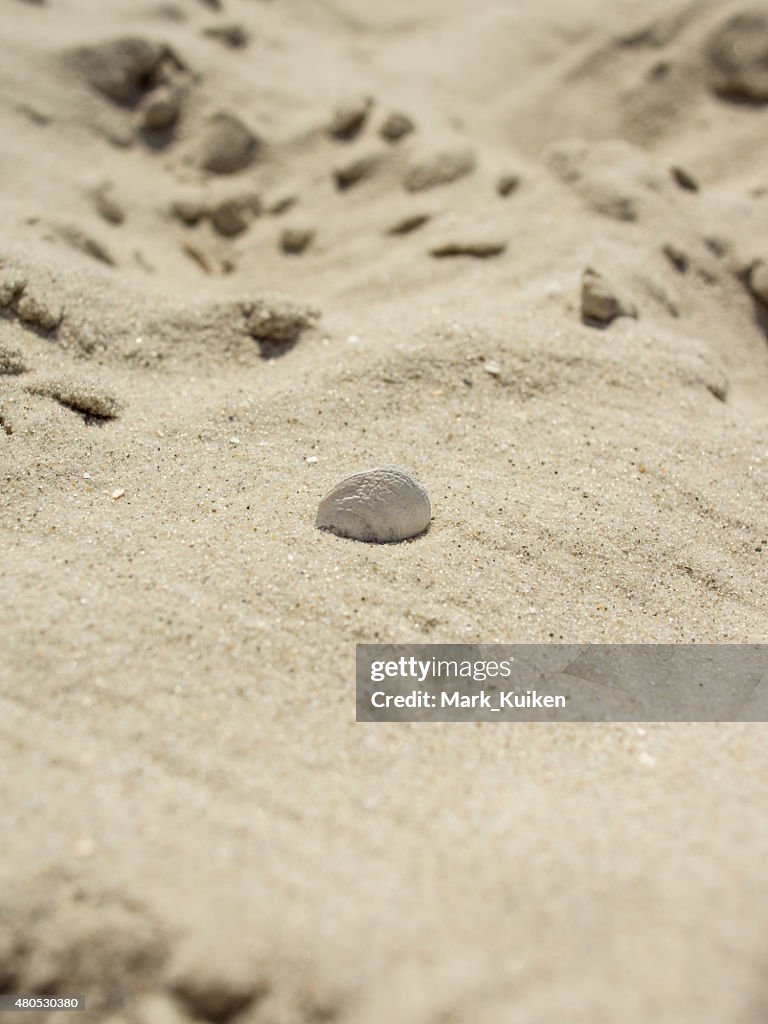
x: 676, y: 257
x: 107, y: 206
x: 228, y: 145
x: 190, y: 210
x: 411, y: 222
x: 440, y: 168
x: 480, y: 248
x: 234, y: 36
x: 737, y: 55
x: 162, y: 108
x: 349, y: 119
x: 507, y: 184
x: 396, y: 126
x: 684, y: 179
x: 600, y: 302
x: 360, y: 169
x: 122, y: 69
x: 295, y: 240
x: 277, y: 323
x: 233, y: 216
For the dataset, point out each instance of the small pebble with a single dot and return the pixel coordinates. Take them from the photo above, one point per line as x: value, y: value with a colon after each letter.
x: 477, y: 248
x: 676, y: 257
x: 410, y: 223
x: 349, y: 119
x: 189, y: 209
x: 357, y: 170
x: 228, y: 145
x: 162, y: 108
x: 396, y: 126
x: 123, y: 69
x: 737, y: 54
x: 107, y: 206
x: 277, y: 323
x: 717, y: 246
x: 75, y: 237
x: 684, y: 179
x: 234, y: 215
x: 212, y: 986
x: 440, y: 168
x: 295, y: 240
x: 281, y: 205
x: 119, y: 493
x: 234, y: 36
x: 600, y: 303
x: 507, y: 184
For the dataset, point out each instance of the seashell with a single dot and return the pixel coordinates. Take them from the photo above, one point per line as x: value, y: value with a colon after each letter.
x: 382, y: 505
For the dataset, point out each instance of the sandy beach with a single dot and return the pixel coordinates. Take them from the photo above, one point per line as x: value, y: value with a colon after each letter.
x: 250, y: 247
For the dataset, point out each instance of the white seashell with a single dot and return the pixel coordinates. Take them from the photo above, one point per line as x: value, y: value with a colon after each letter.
x: 383, y: 505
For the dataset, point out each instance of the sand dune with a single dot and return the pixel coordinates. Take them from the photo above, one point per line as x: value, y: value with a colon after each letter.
x: 250, y: 247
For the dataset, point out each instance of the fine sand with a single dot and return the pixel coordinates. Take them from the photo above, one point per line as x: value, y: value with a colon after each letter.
x: 249, y: 247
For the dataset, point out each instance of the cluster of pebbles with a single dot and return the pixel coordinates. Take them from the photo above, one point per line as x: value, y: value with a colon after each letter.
x: 138, y: 74
x: 153, y: 84
x: 149, y: 79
